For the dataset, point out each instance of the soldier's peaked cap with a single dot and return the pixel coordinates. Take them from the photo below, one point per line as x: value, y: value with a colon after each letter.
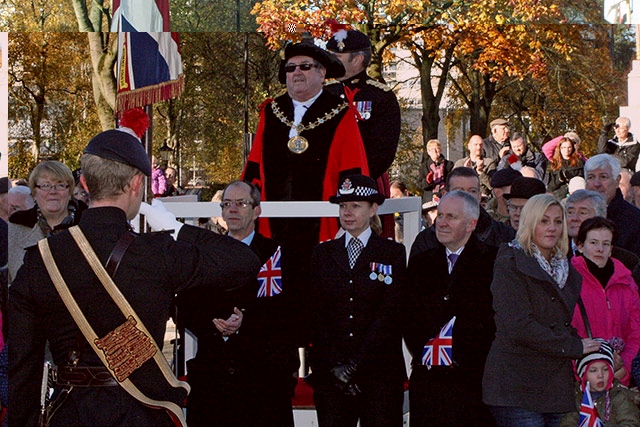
x: 348, y: 41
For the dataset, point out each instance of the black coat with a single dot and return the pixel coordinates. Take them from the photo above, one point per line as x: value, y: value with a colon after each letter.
x: 450, y: 395
x: 627, y: 220
x: 380, y: 124
x: 355, y: 317
x: 530, y: 362
x: 627, y: 155
x: 261, y: 357
x: 488, y: 230
x: 559, y: 179
x: 151, y: 271
x: 428, y: 186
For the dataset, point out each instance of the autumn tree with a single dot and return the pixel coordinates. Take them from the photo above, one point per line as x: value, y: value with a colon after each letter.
x: 50, y: 98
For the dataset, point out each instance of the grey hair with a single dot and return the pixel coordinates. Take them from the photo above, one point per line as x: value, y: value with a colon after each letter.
x: 598, y: 201
x: 602, y: 161
x: 254, y: 192
x: 471, y: 204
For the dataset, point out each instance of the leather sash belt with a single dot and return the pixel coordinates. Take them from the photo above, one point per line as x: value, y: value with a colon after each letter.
x: 83, y: 376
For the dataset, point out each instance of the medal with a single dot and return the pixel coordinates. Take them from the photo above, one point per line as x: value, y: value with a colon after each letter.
x: 388, y: 280
x: 381, y: 277
x: 298, y: 144
x: 373, y: 275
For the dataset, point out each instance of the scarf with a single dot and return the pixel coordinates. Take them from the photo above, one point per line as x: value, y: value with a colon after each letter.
x: 557, y: 267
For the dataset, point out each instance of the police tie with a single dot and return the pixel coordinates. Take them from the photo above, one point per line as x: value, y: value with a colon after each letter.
x: 354, y: 248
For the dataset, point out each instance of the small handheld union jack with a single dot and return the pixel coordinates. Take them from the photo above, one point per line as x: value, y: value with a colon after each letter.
x: 270, y: 276
x: 588, y: 411
x: 439, y: 350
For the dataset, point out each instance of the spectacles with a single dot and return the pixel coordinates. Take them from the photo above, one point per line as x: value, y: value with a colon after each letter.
x: 80, y: 193
x: 514, y: 208
x: 237, y: 203
x: 290, y: 68
x: 55, y: 187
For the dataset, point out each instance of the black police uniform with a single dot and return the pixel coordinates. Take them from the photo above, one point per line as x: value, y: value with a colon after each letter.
x: 153, y: 268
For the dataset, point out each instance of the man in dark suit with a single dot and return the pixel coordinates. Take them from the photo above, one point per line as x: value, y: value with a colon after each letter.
x: 244, y: 372
x: 450, y: 284
x: 356, y: 284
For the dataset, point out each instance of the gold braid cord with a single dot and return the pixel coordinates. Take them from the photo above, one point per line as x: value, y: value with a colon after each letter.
x: 132, y: 322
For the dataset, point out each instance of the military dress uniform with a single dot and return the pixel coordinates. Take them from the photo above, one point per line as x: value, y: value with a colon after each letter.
x: 150, y: 271
x: 378, y: 121
x: 246, y: 379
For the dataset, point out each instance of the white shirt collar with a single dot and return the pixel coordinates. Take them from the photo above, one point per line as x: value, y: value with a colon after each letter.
x: 363, y: 237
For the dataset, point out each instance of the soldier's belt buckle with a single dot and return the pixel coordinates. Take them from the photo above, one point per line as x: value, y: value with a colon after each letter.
x: 126, y: 348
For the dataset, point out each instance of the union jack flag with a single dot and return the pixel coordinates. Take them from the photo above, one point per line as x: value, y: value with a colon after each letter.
x: 270, y: 276
x: 588, y: 411
x: 439, y: 350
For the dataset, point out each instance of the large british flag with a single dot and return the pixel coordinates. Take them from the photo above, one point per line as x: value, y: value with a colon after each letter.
x: 270, y: 276
x: 588, y: 411
x: 439, y: 350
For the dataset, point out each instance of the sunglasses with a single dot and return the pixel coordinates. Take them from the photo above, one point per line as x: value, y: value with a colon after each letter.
x: 290, y: 68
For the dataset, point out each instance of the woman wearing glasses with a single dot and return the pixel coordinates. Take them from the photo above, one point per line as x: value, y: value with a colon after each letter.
x: 52, y: 188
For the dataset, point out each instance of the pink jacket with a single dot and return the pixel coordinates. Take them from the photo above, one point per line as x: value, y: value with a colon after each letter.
x: 613, y: 311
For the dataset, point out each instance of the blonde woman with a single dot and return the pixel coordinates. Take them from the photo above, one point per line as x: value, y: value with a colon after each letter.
x: 528, y: 378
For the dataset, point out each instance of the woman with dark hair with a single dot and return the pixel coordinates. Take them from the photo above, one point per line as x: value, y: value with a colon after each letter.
x: 528, y: 377
x: 609, y: 293
x: 564, y: 165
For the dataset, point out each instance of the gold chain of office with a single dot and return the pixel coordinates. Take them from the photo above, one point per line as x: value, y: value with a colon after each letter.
x: 299, y: 144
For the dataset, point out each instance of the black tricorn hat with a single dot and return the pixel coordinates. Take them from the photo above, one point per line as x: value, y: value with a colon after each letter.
x: 354, y: 188
x: 524, y: 187
x: 122, y: 147
x: 306, y: 47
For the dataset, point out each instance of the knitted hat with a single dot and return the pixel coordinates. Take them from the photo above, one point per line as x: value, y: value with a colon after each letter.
x: 604, y: 354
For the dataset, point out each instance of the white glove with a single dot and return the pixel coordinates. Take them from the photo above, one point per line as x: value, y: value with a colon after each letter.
x: 159, y: 218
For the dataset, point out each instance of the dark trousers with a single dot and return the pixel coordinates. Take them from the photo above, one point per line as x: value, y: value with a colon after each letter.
x: 445, y: 396
x: 379, y: 405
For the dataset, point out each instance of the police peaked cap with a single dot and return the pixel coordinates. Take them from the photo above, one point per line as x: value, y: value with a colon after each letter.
x: 306, y: 47
x: 355, y: 41
x: 122, y: 147
x: 355, y: 188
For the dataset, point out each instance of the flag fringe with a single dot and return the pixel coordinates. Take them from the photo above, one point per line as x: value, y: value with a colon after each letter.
x: 149, y: 94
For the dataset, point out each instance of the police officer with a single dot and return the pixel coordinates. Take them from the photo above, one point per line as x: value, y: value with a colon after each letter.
x: 356, y: 291
x: 379, y: 120
x: 147, y: 269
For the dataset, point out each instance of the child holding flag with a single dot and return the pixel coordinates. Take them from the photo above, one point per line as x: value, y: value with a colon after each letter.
x: 601, y: 400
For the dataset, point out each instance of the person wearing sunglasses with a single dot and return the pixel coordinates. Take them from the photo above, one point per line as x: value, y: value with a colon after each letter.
x: 307, y: 139
x: 623, y: 146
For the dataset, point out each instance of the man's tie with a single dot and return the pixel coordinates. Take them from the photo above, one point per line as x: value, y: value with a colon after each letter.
x: 453, y: 258
x: 354, y: 248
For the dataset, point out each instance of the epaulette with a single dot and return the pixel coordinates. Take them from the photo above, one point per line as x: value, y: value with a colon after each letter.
x: 330, y: 82
x: 379, y: 85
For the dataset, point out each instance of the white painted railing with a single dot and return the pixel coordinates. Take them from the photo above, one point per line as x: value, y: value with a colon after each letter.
x: 409, y: 207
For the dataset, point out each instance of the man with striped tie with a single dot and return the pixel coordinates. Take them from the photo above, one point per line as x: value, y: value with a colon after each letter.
x: 450, y: 325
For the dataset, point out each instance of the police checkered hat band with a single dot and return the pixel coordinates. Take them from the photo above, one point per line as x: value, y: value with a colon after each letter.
x: 357, y: 188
